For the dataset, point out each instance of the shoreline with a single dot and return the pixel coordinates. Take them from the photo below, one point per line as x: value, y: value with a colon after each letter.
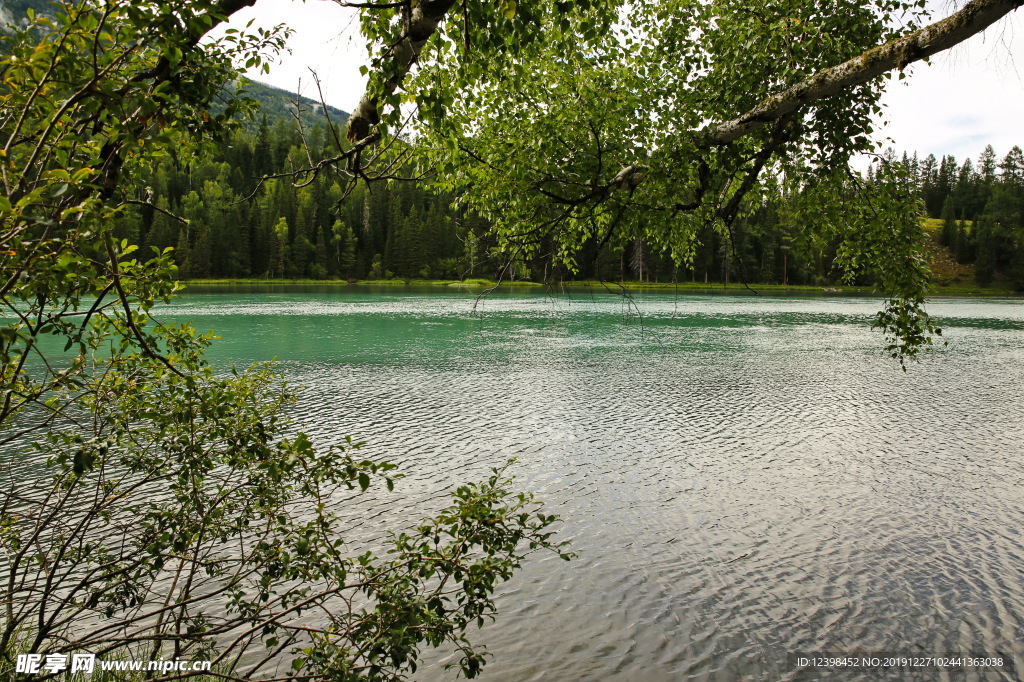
x: 972, y: 291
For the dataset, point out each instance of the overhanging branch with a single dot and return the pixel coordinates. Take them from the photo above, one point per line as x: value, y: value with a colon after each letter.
x: 974, y: 18
x: 937, y: 37
x: 423, y: 22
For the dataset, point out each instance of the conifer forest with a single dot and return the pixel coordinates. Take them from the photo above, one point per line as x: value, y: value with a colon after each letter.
x: 224, y: 220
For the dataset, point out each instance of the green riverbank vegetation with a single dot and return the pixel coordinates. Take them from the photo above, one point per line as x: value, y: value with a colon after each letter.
x: 962, y: 290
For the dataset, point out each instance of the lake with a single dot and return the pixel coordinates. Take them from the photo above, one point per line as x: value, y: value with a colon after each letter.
x: 744, y: 479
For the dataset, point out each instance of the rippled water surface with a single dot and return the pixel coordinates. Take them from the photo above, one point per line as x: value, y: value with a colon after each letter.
x: 742, y: 478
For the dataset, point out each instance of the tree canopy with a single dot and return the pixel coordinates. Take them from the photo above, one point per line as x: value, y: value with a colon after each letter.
x: 565, y: 123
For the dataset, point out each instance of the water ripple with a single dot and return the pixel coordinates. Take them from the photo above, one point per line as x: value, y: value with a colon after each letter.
x: 741, y: 478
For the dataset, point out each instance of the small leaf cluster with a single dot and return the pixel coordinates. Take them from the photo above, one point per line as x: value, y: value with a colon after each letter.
x: 880, y: 229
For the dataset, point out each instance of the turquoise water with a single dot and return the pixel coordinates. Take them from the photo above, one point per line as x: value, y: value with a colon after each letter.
x: 743, y: 478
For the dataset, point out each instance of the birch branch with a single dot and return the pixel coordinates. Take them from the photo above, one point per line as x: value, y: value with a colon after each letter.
x: 423, y: 22
x: 974, y: 18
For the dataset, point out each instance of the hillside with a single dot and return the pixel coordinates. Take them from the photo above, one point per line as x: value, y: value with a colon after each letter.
x: 946, y: 271
x: 275, y: 103
x: 278, y: 104
x: 238, y: 226
x: 13, y: 11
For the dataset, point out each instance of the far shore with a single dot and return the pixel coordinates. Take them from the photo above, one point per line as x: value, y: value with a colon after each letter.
x: 966, y: 290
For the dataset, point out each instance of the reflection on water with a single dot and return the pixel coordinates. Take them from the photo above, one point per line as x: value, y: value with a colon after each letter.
x: 742, y: 478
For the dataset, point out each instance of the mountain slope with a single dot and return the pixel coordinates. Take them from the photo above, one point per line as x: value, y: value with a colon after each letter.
x: 279, y: 104
x: 275, y: 103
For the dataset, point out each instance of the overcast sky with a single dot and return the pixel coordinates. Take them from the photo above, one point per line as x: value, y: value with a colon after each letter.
x: 968, y: 97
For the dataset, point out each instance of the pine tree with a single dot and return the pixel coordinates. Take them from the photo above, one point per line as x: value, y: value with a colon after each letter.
x: 929, y: 181
x: 962, y: 247
x: 278, y: 247
x: 262, y: 157
x: 345, y: 245
x: 1011, y: 170
x: 985, y: 263
x: 181, y: 255
x: 944, y: 182
x: 948, y: 234
x: 987, y: 165
x: 966, y: 192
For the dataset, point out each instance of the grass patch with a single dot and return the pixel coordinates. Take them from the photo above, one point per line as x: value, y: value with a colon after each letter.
x: 972, y: 290
x: 949, y: 281
x: 567, y: 284
x: 717, y: 288
x: 358, y: 283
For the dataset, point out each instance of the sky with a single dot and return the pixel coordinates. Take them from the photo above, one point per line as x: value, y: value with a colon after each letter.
x: 968, y: 97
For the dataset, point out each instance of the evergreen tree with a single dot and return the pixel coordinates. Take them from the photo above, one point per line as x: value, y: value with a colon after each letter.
x: 278, y: 247
x: 944, y: 182
x: 962, y: 247
x: 345, y: 247
x: 929, y: 183
x: 987, y: 165
x: 1011, y: 170
x: 985, y: 248
x: 948, y: 234
x: 966, y: 192
x: 262, y: 157
x: 234, y: 221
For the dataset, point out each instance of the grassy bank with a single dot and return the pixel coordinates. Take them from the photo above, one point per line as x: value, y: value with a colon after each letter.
x: 360, y: 283
x: 943, y: 290
x: 479, y: 284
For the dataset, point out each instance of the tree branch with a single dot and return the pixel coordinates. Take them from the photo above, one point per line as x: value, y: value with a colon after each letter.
x: 423, y: 22
x: 974, y: 18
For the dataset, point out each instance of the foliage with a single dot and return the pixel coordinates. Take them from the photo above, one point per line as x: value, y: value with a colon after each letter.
x: 186, y: 480
x: 993, y: 198
x: 222, y: 234
x: 418, y: 234
x: 654, y: 129
x: 105, y: 86
x: 166, y: 511
x: 881, y: 231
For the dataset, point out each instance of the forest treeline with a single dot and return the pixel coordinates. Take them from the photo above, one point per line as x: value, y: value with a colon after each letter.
x: 982, y: 210
x: 224, y: 223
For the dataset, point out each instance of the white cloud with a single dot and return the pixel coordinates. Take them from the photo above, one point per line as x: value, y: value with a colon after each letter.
x: 969, y: 96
